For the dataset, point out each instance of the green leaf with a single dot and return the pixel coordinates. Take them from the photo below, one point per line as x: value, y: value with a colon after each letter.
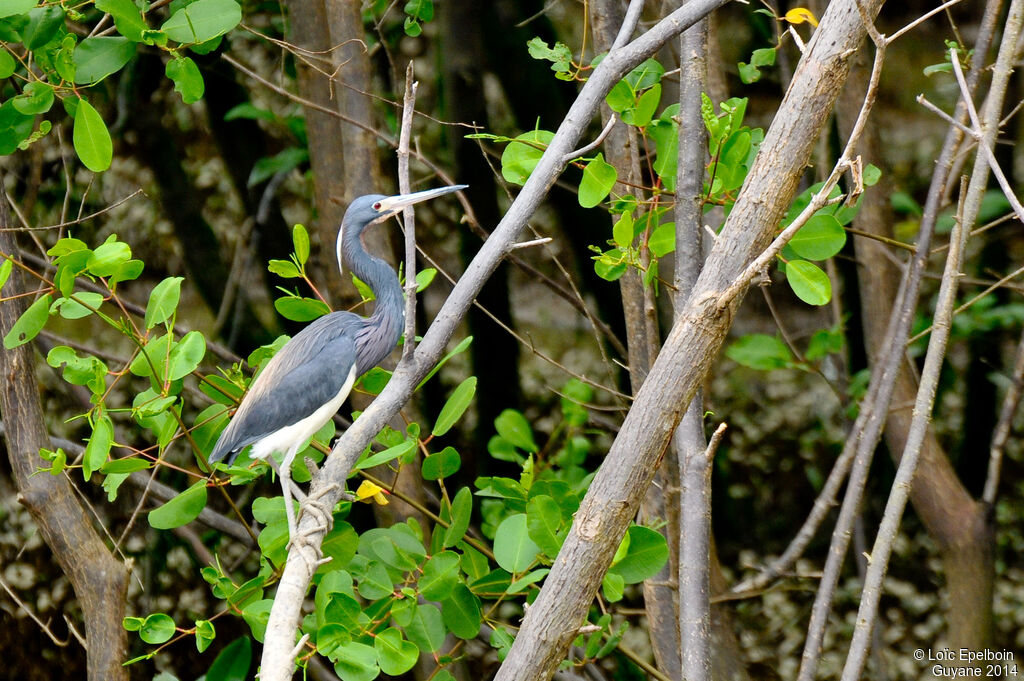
x: 29, y: 324
x: 202, y: 20
x: 460, y: 348
x: 648, y: 552
x: 514, y: 427
x: 760, y: 351
x: 127, y: 18
x: 281, y: 162
x: 12, y: 7
x: 513, y: 549
x: 205, y: 633
x: 663, y: 239
x: 232, y: 664
x: 126, y: 465
x: 157, y: 628
x: 441, y: 465
x: 389, y: 454
x: 186, y: 355
x: 526, y: 580
x: 809, y: 282
x: 79, y: 307
x: 5, y: 271
x: 426, y: 629
x: 455, y: 406
x: 301, y: 309
x: 641, y: 114
x: 598, y: 179
x: 622, y: 230
x: 300, y: 240
x: 522, y: 155
x: 98, y: 449
x: 421, y: 10
x: 461, y: 613
x: 821, y: 238
x: 355, y: 662
x: 7, y: 64
x: 15, y: 127
x: 44, y: 23
x: 461, y: 511
x: 163, y: 301
x: 37, y: 98
x: 180, y: 510
x: 97, y: 57
x: 256, y: 615
x: 395, y: 655
x: 91, y: 138
x: 560, y: 55
x: 613, y: 585
x: 872, y: 174
x: 109, y: 257
x: 188, y: 82
x: 424, y: 277
x: 440, y: 575
x: 543, y: 521
x: 250, y: 111
x: 284, y: 268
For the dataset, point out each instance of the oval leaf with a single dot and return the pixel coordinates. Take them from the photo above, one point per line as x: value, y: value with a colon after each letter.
x: 29, y: 324
x: 462, y: 509
x: 647, y: 553
x: 91, y: 138
x: 513, y: 549
x: 180, y: 510
x: 442, y: 464
x: 598, y: 179
x: 461, y: 613
x: 202, y: 20
x: 821, y: 238
x: 97, y: 57
x: 522, y: 155
x: 514, y: 427
x: 809, y: 282
x: 163, y: 301
x: 395, y: 655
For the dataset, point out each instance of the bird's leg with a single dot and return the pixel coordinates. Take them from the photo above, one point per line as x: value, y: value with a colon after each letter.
x: 286, y: 487
x: 296, y: 490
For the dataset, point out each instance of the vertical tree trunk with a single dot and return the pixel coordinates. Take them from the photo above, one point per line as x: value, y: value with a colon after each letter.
x: 100, y: 581
x: 464, y: 63
x: 309, y: 30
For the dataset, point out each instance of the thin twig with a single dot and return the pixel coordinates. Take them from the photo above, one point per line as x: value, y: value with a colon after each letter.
x: 408, y: 219
x: 612, y: 120
x: 1002, y: 430
x: 61, y: 225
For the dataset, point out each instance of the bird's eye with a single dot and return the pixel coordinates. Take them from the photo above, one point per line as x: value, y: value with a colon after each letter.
x: 377, y: 206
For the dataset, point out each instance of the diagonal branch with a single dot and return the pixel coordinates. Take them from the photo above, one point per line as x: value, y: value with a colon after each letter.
x: 277, y: 661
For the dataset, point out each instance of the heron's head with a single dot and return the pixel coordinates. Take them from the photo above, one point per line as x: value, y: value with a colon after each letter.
x: 375, y: 208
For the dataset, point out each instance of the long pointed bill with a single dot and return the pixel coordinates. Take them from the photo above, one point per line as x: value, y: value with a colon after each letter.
x: 393, y: 204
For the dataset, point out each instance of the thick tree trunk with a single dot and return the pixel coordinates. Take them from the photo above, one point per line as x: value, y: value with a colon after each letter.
x: 308, y: 29
x: 100, y: 581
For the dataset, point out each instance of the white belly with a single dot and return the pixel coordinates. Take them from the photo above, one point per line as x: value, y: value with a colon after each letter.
x: 290, y: 439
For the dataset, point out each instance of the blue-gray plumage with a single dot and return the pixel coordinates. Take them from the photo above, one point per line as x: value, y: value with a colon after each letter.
x: 306, y: 382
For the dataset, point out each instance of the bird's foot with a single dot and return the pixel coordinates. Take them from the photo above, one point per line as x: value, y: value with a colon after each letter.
x: 321, y: 512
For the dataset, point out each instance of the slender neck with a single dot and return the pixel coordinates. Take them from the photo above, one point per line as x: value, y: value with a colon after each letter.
x: 377, y: 274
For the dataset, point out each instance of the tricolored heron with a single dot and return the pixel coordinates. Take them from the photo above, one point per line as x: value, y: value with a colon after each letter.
x: 305, y: 383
